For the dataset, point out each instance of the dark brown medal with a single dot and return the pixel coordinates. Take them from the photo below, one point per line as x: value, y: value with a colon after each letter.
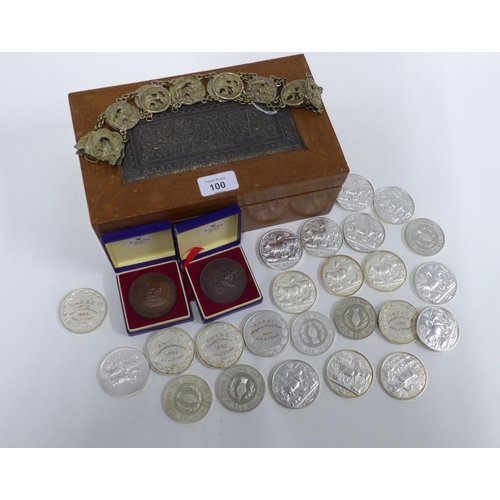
x: 223, y: 280
x: 152, y: 295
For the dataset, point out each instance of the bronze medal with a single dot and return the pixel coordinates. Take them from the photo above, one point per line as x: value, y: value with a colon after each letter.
x: 223, y: 280
x: 152, y: 295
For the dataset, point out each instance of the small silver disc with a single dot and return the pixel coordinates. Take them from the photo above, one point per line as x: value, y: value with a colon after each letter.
x: 356, y: 194
x: 219, y: 345
x: 349, y: 374
x: 384, y: 271
x: 280, y: 249
x: 266, y: 333
x: 397, y: 321
x: 321, y: 237
x: 341, y: 275
x: 312, y: 333
x: 355, y: 318
x: 363, y: 232
x: 82, y: 310
x: 424, y: 237
x: 393, y: 205
x: 435, y: 283
x: 403, y: 375
x: 294, y: 292
x: 437, y: 329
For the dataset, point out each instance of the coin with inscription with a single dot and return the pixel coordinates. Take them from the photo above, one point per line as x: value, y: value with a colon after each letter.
x: 384, y: 271
x: 187, y: 90
x: 437, y: 329
x: 124, y: 372
x: 312, y: 333
x: 227, y: 86
x: 266, y: 333
x: 355, y: 318
x: 403, y: 375
x: 280, y: 249
x: 363, y: 232
x: 152, y: 295
x: 321, y: 237
x: 435, y: 283
x: 219, y: 345
x: 393, y: 205
x: 295, y: 384
x: 82, y: 310
x: 424, y: 237
x: 153, y: 98
x: 356, y: 194
x: 348, y: 373
x: 341, y: 275
x: 188, y: 399
x: 294, y: 93
x: 223, y: 280
x: 294, y: 292
x: 397, y: 322
x: 122, y: 116
x: 240, y: 388
x: 170, y: 351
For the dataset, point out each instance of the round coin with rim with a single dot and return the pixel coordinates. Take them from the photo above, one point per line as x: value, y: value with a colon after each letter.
x: 82, y: 310
x: 348, y: 373
x: 403, y: 375
x: 219, y: 345
x: 312, y: 333
x: 240, y: 388
x: 223, y: 280
x: 397, y: 321
x: 152, y: 295
x: 356, y: 193
x: 393, y: 205
x: 280, y: 249
x: 355, y: 318
x: 384, y: 271
x: 435, y: 283
x: 341, y: 275
x: 424, y: 237
x: 294, y: 292
x: 321, y: 237
x: 266, y: 333
x: 437, y: 329
x: 363, y: 232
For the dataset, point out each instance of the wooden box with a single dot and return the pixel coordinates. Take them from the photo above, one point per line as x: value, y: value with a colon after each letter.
x: 272, y: 188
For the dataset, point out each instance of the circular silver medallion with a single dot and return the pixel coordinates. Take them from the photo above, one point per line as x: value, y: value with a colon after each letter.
x: 435, y: 283
x: 397, y: 322
x: 219, y: 345
x: 424, y: 237
x: 393, y: 205
x: 341, y: 275
x: 294, y: 93
x: 312, y: 333
x: 403, y: 375
x: 227, y: 86
x: 363, y: 232
x: 437, y: 329
x: 355, y: 318
x: 321, y: 237
x: 349, y: 374
x: 294, y: 292
x: 356, y: 194
x: 262, y: 89
x: 280, y: 249
x: 384, y: 271
x: 122, y: 115
x: 187, y: 90
x: 266, y: 333
x: 153, y: 98
x: 82, y: 310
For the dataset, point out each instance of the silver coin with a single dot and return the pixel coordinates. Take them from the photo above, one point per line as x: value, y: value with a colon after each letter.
x: 393, y: 205
x: 280, y: 249
x: 266, y: 333
x: 349, y: 374
x: 295, y: 384
x: 356, y: 194
x: 355, y: 318
x: 240, y: 388
x: 435, y: 283
x: 82, y: 310
x: 437, y: 329
x: 170, y: 351
x: 219, y: 345
x: 294, y: 292
x: 341, y: 275
x: 403, y: 375
x: 153, y: 98
x: 124, y: 372
x: 424, y: 237
x: 312, y: 333
x: 363, y: 232
x: 188, y: 398
x: 122, y: 115
x: 384, y: 271
x: 321, y: 237
x: 397, y: 322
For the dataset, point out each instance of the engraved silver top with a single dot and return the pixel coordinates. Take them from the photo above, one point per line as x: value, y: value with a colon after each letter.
x: 435, y: 283
x: 280, y: 249
x: 219, y: 344
x: 393, y: 205
x: 403, y: 376
x: 312, y: 333
x: 294, y: 292
x: 356, y: 193
x: 349, y: 374
x: 341, y: 275
x: 363, y: 232
x: 266, y: 333
x: 397, y: 321
x: 321, y: 237
x: 384, y: 271
x: 355, y: 318
x: 295, y: 384
x: 82, y: 310
x: 424, y: 237
x: 437, y: 329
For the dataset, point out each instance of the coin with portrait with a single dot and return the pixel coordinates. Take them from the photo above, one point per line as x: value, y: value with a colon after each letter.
x: 152, y: 295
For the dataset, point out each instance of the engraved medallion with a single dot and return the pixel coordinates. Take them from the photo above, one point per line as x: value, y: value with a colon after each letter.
x: 364, y: 232
x: 312, y: 333
x: 437, y: 329
x: 188, y: 398
x: 294, y: 93
x: 219, y: 345
x: 223, y: 280
x: 153, y: 98
x: 294, y: 292
x: 355, y: 318
x: 280, y: 249
x: 403, y: 376
x: 384, y: 271
x: 349, y: 374
x: 124, y: 372
x: 262, y: 89
x: 266, y: 333
x: 393, y: 205
x: 82, y: 310
x: 321, y: 237
x: 240, y: 388
x: 187, y: 90
x: 424, y: 237
x: 295, y: 384
x: 170, y: 351
x: 227, y: 86
x: 397, y: 321
x: 356, y: 194
x: 341, y: 275
x: 103, y: 144
x: 152, y: 295
x: 122, y: 116
x: 313, y: 94
x: 435, y: 283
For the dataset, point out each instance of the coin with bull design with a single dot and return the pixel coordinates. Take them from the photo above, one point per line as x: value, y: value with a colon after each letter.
x: 294, y: 292
x: 384, y: 271
x: 280, y: 249
x: 223, y: 280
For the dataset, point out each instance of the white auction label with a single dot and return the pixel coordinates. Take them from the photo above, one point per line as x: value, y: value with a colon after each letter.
x: 218, y: 183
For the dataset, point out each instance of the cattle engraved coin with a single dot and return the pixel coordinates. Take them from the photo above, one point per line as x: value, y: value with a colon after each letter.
x: 153, y: 98
x: 262, y: 89
x: 397, y: 321
x: 223, y: 280
x: 435, y: 283
x: 321, y: 237
x: 403, y: 375
x: 356, y: 193
x: 227, y: 86
x: 312, y: 333
x: 294, y: 93
x: 188, y: 398
x: 82, y: 310
x: 219, y: 345
x: 280, y: 249
x: 187, y: 90
x: 424, y: 237
x: 124, y: 372
x: 240, y: 388
x: 437, y: 329
x: 266, y: 333
x: 295, y: 384
x: 341, y: 275
x: 152, y: 295
x: 122, y: 116
x: 349, y: 374
x: 170, y: 351
x: 355, y: 318
x: 363, y: 232
x: 393, y: 205
x: 384, y: 271
x: 294, y: 292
